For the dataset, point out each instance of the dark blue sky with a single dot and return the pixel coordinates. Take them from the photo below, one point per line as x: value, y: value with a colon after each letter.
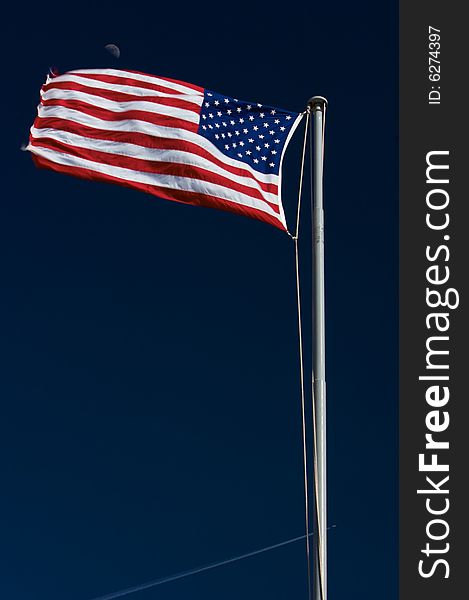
x: 150, y: 413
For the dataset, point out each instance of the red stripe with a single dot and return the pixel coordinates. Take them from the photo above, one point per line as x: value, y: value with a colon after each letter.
x: 136, y: 115
x: 128, y: 81
x: 154, y: 167
x: 193, y: 198
x: 147, y: 141
x: 120, y: 96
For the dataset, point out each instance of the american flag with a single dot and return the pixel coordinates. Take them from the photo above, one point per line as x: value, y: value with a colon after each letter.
x: 165, y: 137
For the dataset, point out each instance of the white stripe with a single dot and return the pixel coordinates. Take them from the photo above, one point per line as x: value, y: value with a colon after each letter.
x: 179, y: 87
x: 194, y: 97
x: 117, y: 107
x: 134, y: 125
x: 150, y: 154
x: 167, y: 181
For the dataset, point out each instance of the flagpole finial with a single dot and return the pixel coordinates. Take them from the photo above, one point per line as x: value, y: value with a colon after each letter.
x: 317, y: 103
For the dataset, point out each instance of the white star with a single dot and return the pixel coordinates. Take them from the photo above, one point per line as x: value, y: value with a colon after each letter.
x: 228, y: 112
x: 204, y: 116
x: 226, y: 100
x: 277, y: 141
x: 217, y: 136
x: 230, y: 134
x: 264, y: 157
x: 258, y: 148
x: 240, y: 155
x: 256, y: 161
x: 204, y: 126
x: 224, y: 124
x: 208, y: 94
x: 251, y: 118
x: 266, y: 145
x: 207, y: 104
x: 234, y: 145
x: 259, y: 105
x: 248, y: 152
x: 282, y: 128
x: 239, y: 109
x: 216, y: 102
x: 232, y: 122
x: 261, y: 137
x: 219, y: 113
x: 249, y: 107
x: 241, y: 143
x: 276, y: 121
x: 227, y: 146
x: 245, y: 130
x: 210, y: 115
x: 274, y: 151
x: 223, y: 135
x: 255, y: 128
x: 236, y: 132
x: 241, y: 120
x: 266, y: 124
x: 250, y: 140
x: 271, y: 132
x: 288, y: 117
x: 272, y: 112
x: 217, y: 125
x: 271, y: 164
x: 210, y: 126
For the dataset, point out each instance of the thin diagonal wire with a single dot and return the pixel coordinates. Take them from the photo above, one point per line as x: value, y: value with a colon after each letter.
x: 303, y: 418
x: 302, y: 378
x: 155, y: 582
x: 298, y: 210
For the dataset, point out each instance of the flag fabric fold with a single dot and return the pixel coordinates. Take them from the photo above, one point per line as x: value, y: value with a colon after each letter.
x: 168, y: 138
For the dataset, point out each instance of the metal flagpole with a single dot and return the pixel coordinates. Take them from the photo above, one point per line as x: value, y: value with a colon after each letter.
x: 318, y: 105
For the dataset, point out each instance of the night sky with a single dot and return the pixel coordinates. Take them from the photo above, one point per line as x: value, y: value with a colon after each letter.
x: 150, y: 407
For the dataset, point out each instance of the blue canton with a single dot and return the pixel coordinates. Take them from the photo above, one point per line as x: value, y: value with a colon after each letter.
x: 246, y: 131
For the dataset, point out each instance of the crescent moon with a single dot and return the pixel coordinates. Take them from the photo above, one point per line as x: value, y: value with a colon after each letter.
x: 113, y: 50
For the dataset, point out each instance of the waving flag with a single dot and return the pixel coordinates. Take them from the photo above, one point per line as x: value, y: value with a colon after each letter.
x: 168, y: 138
